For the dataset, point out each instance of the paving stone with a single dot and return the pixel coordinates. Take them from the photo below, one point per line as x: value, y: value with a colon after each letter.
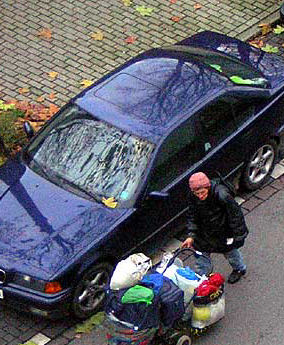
x: 266, y: 192
x: 251, y: 203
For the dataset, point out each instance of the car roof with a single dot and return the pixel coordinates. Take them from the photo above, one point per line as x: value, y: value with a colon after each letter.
x: 153, y: 92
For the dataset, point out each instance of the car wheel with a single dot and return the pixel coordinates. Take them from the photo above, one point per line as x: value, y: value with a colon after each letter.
x: 89, y: 293
x: 260, y: 165
x: 184, y: 340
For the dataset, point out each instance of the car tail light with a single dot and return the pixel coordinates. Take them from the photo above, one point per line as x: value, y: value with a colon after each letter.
x: 52, y: 287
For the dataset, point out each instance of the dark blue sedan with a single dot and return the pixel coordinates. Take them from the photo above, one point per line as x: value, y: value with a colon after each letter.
x: 108, y: 174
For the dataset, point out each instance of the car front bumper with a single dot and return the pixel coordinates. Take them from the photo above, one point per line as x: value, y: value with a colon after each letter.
x: 50, y: 306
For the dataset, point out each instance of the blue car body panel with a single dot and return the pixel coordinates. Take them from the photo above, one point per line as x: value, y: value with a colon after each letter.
x: 44, y: 229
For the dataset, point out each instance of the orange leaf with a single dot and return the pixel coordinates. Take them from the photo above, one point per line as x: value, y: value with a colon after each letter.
x: 45, y: 33
x: 53, y: 75
x: 173, y: 1
x: 175, y: 19
x: 53, y: 109
x: 23, y: 90
x: 130, y: 39
x: 52, y: 95
x: 257, y: 43
x: 40, y: 99
x: 197, y: 6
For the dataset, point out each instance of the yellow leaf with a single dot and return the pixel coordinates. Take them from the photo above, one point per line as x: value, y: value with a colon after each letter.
x: 86, y: 83
x: 265, y: 28
x: 24, y: 90
x: 40, y: 99
x: 53, y: 75
x: 109, y: 202
x: 98, y: 35
x: 127, y: 2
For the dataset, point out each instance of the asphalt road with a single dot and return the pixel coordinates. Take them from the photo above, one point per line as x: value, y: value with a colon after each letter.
x: 255, y: 305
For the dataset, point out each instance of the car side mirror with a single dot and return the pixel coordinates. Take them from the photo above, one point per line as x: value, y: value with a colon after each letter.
x: 158, y: 195
x: 29, y: 129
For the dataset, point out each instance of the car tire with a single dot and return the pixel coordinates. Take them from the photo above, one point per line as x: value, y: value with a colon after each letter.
x: 260, y: 165
x: 184, y: 340
x: 282, y: 13
x: 89, y: 293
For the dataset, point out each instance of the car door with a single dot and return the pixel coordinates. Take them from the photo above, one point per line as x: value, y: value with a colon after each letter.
x: 165, y: 197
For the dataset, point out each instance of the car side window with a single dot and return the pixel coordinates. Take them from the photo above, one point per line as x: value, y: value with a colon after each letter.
x: 217, y: 122
x: 178, y: 152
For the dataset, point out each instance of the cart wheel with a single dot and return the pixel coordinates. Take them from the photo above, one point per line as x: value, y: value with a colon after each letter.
x: 184, y: 340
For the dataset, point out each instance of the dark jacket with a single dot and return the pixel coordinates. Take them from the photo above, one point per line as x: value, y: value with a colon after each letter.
x: 211, y: 221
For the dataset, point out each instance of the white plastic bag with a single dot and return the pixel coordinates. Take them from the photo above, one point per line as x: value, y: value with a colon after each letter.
x: 130, y: 271
x: 208, y: 314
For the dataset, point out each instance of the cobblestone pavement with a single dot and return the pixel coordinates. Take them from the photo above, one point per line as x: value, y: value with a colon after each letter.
x: 26, y: 58
x: 28, y: 53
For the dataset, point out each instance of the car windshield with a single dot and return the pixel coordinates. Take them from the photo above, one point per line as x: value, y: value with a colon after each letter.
x: 90, y: 158
x: 234, y: 69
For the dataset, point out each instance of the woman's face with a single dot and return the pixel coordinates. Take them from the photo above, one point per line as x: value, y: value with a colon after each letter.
x: 201, y: 193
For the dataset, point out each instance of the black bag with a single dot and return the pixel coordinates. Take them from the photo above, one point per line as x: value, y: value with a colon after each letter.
x: 172, y: 302
x: 140, y: 315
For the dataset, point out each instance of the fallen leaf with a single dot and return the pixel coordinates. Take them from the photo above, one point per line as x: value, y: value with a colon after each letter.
x: 175, y: 19
x: 173, y: 1
x: 40, y: 99
x: 265, y: 28
x: 51, y: 96
x: 98, y: 35
x: 130, y: 39
x: 110, y: 202
x: 24, y: 90
x: 86, y: 83
x: 53, y: 75
x: 45, y: 33
x: 6, y: 106
x: 270, y: 49
x: 197, y: 6
x: 144, y: 11
x: 278, y: 30
x: 127, y: 2
x: 257, y: 43
x: 90, y: 323
x: 53, y: 109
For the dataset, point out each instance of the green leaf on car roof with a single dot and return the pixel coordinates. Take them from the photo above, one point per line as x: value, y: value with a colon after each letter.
x: 217, y: 67
x: 89, y: 324
x: 29, y: 343
x: 270, y: 49
x: 144, y: 11
x: 278, y: 30
x: 239, y: 80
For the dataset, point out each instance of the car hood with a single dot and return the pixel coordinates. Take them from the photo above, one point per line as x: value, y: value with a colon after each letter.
x: 43, y: 228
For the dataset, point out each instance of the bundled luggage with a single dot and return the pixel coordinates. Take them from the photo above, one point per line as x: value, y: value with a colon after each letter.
x: 140, y: 310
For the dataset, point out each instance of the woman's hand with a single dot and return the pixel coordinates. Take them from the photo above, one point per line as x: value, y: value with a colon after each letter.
x: 188, y: 243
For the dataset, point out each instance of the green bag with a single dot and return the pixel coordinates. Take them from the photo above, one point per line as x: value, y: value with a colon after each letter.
x: 138, y: 294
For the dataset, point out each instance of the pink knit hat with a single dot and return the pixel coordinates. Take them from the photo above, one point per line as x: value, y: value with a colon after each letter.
x: 198, y: 180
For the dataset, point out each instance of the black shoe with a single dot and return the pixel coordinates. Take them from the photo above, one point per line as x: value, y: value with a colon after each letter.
x: 235, y: 276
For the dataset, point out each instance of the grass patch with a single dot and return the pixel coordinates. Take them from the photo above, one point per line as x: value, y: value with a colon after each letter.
x: 11, y: 133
